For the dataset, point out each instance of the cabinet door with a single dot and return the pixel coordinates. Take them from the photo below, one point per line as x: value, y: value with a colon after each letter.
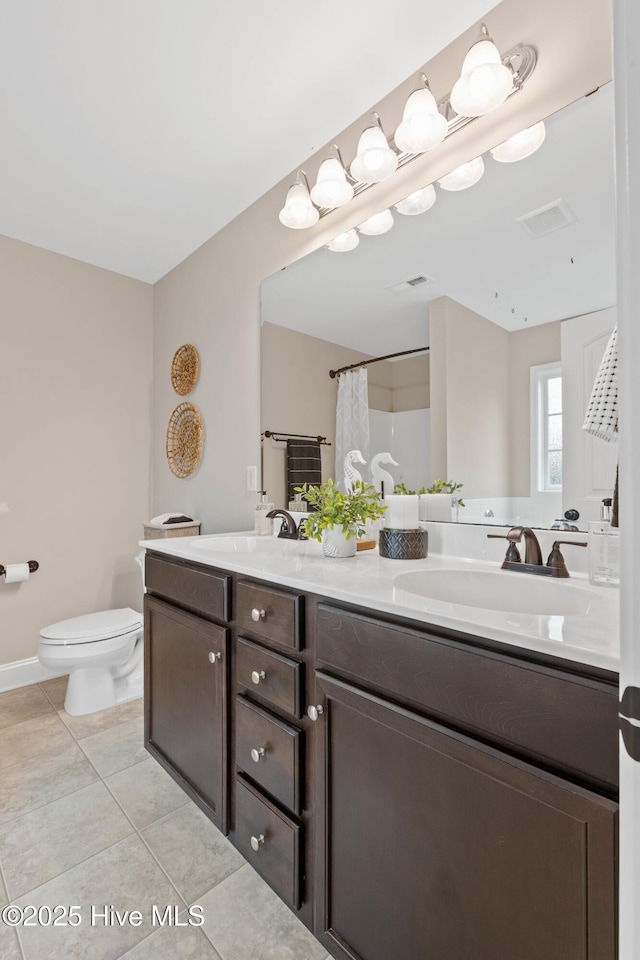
x: 186, y: 702
x: 432, y: 845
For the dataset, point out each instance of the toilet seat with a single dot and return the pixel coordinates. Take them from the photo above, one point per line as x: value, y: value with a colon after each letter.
x: 105, y: 625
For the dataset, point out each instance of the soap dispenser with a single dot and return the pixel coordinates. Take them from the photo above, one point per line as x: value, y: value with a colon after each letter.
x: 263, y: 523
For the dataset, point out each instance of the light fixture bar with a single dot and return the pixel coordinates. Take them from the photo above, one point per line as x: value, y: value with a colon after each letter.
x: 521, y: 60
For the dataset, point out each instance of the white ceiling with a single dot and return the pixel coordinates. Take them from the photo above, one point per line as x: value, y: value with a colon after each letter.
x: 472, y: 248
x: 133, y: 130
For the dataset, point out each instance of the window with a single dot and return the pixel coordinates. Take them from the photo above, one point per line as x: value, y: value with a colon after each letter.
x: 546, y: 428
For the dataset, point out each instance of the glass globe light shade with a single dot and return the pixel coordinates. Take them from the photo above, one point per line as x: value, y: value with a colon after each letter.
x: 463, y: 176
x: 418, y: 202
x: 331, y: 189
x: 377, y: 224
x: 298, y: 211
x: 521, y: 145
x: 422, y: 127
x: 344, y: 242
x: 375, y: 160
x: 484, y: 82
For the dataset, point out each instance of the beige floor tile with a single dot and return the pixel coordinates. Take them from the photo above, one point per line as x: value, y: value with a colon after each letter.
x: 245, y: 920
x: 91, y: 723
x: 31, y: 738
x: 9, y: 948
x: 26, y: 786
x: 22, y: 704
x: 195, y: 855
x: 126, y: 877
x: 3, y: 892
x: 55, y: 690
x: 52, y: 839
x: 116, y: 748
x: 170, y: 943
x: 146, y: 793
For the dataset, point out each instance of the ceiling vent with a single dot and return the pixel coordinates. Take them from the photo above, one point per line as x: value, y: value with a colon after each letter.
x: 403, y: 285
x: 545, y: 220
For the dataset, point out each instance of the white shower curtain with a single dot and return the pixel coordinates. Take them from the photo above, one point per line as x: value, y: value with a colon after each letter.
x: 352, y: 420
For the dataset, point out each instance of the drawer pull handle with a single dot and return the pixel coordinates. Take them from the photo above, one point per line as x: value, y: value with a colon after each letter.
x: 314, y: 712
x: 213, y: 657
x: 257, y: 755
x: 256, y: 842
x: 257, y: 676
x: 257, y: 615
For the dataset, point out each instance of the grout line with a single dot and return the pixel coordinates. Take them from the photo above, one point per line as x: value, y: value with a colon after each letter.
x: 42, y: 688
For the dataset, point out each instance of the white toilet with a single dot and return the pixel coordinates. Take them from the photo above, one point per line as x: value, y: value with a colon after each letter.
x: 103, y: 653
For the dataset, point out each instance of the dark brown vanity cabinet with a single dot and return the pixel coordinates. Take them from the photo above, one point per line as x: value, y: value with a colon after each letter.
x: 433, y: 843
x: 186, y: 681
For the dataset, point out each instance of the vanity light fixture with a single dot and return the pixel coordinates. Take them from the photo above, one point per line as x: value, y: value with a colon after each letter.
x: 298, y: 211
x: 521, y: 145
x: 375, y: 160
x: 377, y: 224
x: 463, y: 176
x: 417, y: 202
x: 423, y: 127
x: 344, y: 242
x: 485, y: 82
x: 332, y: 189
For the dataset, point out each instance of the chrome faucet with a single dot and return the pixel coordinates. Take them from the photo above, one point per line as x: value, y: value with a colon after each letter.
x: 555, y: 565
x: 288, y: 530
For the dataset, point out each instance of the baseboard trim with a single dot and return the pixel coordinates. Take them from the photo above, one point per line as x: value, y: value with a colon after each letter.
x: 22, y: 673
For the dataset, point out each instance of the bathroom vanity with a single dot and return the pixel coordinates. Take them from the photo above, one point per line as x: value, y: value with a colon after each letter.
x: 413, y: 778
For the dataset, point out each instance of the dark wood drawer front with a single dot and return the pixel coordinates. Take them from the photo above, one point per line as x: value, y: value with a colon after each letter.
x: 270, y: 676
x: 278, y: 839
x: 555, y: 718
x: 269, y: 751
x: 270, y: 614
x: 197, y: 588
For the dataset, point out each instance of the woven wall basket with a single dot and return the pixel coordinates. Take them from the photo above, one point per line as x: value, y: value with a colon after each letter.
x: 184, y: 369
x: 184, y: 440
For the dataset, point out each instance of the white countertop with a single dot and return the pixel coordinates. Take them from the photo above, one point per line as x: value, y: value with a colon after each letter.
x: 367, y: 580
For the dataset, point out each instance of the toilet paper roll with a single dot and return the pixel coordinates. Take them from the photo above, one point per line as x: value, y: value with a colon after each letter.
x: 16, y: 572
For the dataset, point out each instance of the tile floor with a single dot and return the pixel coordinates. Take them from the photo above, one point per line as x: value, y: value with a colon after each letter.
x: 88, y: 818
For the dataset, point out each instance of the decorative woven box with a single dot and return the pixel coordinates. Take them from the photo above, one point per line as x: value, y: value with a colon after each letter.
x: 403, y: 544
x: 164, y: 530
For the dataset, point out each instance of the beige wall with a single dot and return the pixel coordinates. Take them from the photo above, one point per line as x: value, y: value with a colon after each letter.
x: 213, y: 301
x: 469, y: 400
x: 411, y: 383
x: 75, y: 394
x: 527, y: 348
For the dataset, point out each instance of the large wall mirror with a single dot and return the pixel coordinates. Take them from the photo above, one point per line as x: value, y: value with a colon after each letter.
x: 511, y: 285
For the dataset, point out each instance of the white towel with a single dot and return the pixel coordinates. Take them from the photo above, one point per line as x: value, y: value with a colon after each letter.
x: 602, y: 412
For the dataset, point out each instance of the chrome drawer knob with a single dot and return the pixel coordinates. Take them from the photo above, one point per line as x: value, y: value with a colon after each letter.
x: 257, y: 615
x: 314, y: 712
x: 257, y: 755
x: 257, y: 676
x: 213, y: 657
x: 256, y: 842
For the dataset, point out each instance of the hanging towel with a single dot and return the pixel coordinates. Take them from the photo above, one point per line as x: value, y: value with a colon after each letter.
x: 304, y: 464
x: 602, y: 412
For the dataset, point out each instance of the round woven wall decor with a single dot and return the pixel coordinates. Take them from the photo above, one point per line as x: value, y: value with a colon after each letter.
x: 184, y: 369
x: 184, y: 440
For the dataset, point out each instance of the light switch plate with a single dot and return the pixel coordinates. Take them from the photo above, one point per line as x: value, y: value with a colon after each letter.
x: 252, y: 479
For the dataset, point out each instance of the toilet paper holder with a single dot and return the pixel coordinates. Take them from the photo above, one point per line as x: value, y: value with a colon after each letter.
x: 32, y: 564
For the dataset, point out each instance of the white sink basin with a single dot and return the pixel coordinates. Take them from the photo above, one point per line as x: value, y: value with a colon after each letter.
x: 498, y: 590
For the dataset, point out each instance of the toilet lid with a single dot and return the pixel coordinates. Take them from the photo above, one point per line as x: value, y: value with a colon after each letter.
x: 93, y: 626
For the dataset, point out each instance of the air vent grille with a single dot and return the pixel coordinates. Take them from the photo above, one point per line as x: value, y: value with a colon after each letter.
x: 547, y: 219
x: 403, y: 285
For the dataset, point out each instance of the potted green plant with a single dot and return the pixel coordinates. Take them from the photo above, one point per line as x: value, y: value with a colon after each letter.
x: 337, y: 519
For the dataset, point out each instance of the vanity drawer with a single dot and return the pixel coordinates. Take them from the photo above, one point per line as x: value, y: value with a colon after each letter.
x: 199, y: 589
x: 555, y: 717
x: 277, y: 838
x: 270, y: 676
x: 278, y: 769
x: 270, y: 614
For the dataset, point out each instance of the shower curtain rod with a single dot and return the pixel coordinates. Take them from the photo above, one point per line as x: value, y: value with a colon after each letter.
x: 365, y: 363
